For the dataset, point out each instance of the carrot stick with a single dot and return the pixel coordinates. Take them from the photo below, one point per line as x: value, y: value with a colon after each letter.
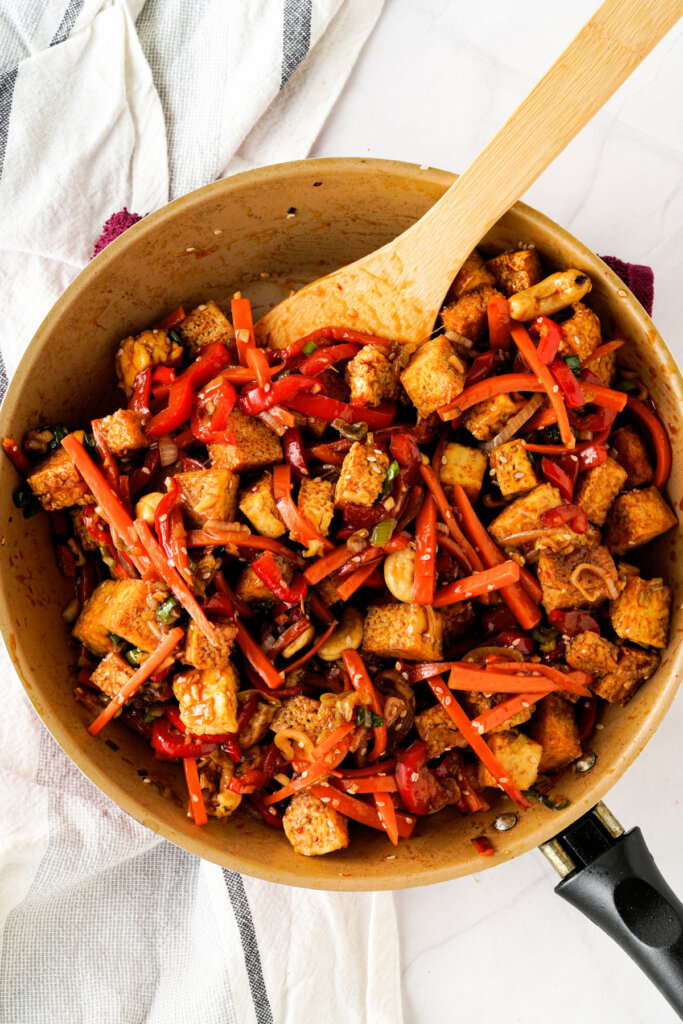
x: 356, y: 580
x: 239, y: 539
x: 498, y: 316
x: 543, y: 418
x: 173, y: 579
x: 257, y: 659
x: 328, y: 564
x: 313, y: 650
x: 425, y: 552
x: 521, y: 338
x: 465, y: 676
x: 16, y: 456
x: 194, y: 790
x: 660, y: 440
x: 147, y: 669
x: 314, y: 772
x: 607, y: 397
x: 575, y: 681
x: 331, y: 740
x: 360, y: 680
x: 489, y: 388
x: 501, y: 713
x: 603, y: 350
x: 387, y: 815
x: 448, y: 516
x: 358, y: 810
x: 243, y: 324
x: 480, y: 583
x: 371, y: 784
x: 478, y: 745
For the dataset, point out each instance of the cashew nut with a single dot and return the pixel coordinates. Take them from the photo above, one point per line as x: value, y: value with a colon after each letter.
x: 147, y: 506
x: 399, y: 574
x: 299, y: 642
x: 550, y: 295
x: 347, y: 636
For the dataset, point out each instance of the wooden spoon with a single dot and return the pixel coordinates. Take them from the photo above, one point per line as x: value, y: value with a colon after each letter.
x: 397, y: 291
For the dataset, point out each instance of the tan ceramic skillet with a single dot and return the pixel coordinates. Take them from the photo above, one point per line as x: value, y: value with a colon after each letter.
x: 265, y: 232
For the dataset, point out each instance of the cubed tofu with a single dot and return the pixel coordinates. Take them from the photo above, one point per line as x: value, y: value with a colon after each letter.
x: 215, y: 772
x: 524, y: 514
x: 250, y: 587
x: 123, y: 431
x: 255, y: 445
x: 635, y: 518
x: 410, y: 631
x: 605, y: 369
x: 464, y: 466
x: 633, y: 668
x: 434, y: 376
x: 126, y: 608
x: 372, y: 378
x: 473, y: 274
x: 306, y: 715
x: 137, y: 353
x: 583, y: 579
x: 208, y: 494
x: 258, y: 725
x: 486, y: 419
x: 314, y: 828
x: 581, y: 334
x: 633, y: 456
x: 56, y: 482
x: 111, y: 674
x: 204, y: 655
x: 598, y: 488
x: 362, y: 475
x: 515, y: 271
x: 327, y: 588
x: 457, y: 619
x: 642, y: 611
x: 316, y: 504
x: 257, y: 503
x: 437, y: 731
x: 204, y: 325
x: 554, y: 727
x: 519, y: 756
x: 467, y: 315
x: 208, y: 699
x: 592, y: 653
x: 513, y: 468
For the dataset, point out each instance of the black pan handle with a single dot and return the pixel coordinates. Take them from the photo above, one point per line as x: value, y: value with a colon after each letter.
x: 611, y: 877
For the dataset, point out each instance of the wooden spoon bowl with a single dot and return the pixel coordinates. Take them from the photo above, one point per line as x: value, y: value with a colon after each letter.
x: 265, y: 232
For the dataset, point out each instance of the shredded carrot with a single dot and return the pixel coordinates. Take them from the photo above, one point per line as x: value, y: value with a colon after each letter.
x: 331, y: 740
x: 660, y: 440
x: 356, y: 580
x: 603, y: 350
x: 147, y: 669
x: 467, y: 675
x: 327, y: 564
x: 501, y: 713
x: 448, y: 516
x: 543, y: 418
x: 521, y: 338
x: 607, y: 397
x: 480, y: 583
x: 313, y: 649
x: 359, y: 810
x: 194, y: 790
x: 295, y: 522
x: 257, y: 361
x: 313, y: 772
x: 360, y: 680
x: 258, y: 660
x: 387, y: 815
x: 503, y: 384
x: 425, y: 552
x: 574, y: 681
x: 16, y: 456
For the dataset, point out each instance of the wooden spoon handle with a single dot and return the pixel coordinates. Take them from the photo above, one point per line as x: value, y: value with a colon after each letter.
x: 604, y: 53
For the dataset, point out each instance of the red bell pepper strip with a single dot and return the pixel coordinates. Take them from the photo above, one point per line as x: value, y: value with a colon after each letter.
x: 268, y: 572
x: 563, y: 479
x: 387, y: 815
x: 527, y: 348
x: 360, y: 811
x: 368, y: 784
x: 596, y: 392
x: 321, y: 360
x: 360, y: 680
x: 569, y: 385
x: 172, y: 713
x: 161, y: 516
x: 603, y: 350
x: 425, y: 552
x: 142, y: 388
x: 482, y: 367
x: 561, y: 514
x: 342, y: 334
x: 181, y: 396
x: 16, y: 457
x: 594, y: 421
x: 253, y: 653
x: 405, y: 450
x: 270, y: 815
x: 147, y: 669
x: 498, y: 317
x: 660, y: 440
x: 171, y: 743
x: 194, y: 790
x: 172, y: 320
x: 141, y: 476
x: 572, y: 622
x: 325, y: 453
x: 280, y: 392
x: 328, y: 564
x: 498, y: 715
x: 212, y: 430
x: 484, y: 582
x: 330, y: 409
x: 387, y: 767
x: 454, y: 764
x: 549, y: 336
x: 418, y: 786
x: 295, y: 522
x: 293, y: 447
x: 258, y: 362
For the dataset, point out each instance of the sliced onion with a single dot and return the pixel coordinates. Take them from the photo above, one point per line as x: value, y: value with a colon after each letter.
x: 610, y: 587
x: 478, y: 654
x: 513, y: 425
x: 168, y: 450
x: 459, y: 339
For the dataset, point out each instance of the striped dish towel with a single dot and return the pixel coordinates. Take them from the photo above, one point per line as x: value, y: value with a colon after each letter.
x: 106, y: 104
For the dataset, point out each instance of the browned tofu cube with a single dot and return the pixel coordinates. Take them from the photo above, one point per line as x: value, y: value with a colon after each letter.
x: 304, y: 715
x: 410, y: 631
x: 372, y: 377
x: 316, y: 504
x: 137, y: 353
x: 592, y: 653
x: 362, y: 475
x: 634, y: 667
x: 467, y: 315
x: 583, y: 579
x: 327, y: 588
x: 518, y: 754
x: 486, y: 419
x: 56, y: 482
x: 208, y: 699
x: 312, y: 827
x: 456, y: 620
x: 472, y: 274
x: 258, y: 725
x: 201, y: 654
x: 255, y: 445
x: 208, y: 494
x: 581, y: 334
x: 516, y: 271
x: 126, y: 608
x: 204, y: 325
x: 89, y: 628
x: 123, y: 431
x: 633, y: 456
x: 250, y: 588
x: 642, y: 612
x: 605, y: 369
x: 111, y: 674
x: 257, y: 503
x: 434, y: 376
x: 635, y: 518
x: 513, y: 468
x: 464, y: 466
x: 524, y: 514
x: 437, y: 731
x: 598, y: 488
x: 554, y: 727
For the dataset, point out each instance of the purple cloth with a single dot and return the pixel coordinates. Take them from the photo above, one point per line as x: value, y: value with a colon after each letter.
x: 115, y: 226
x: 637, y: 278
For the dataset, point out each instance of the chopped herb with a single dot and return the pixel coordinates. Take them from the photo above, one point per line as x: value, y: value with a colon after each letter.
x: 309, y: 348
x: 383, y: 532
x: 192, y: 566
x: 543, y: 634
x: 626, y: 385
x: 366, y: 717
x: 167, y: 612
x: 554, y: 803
x: 552, y: 434
x: 117, y: 640
x: 134, y: 656
x: 25, y: 499
x: 574, y: 364
x: 175, y: 337
x: 112, y: 745
x: 149, y: 718
x: 58, y: 432
x: 89, y: 441
x: 354, y: 431
x: 392, y: 473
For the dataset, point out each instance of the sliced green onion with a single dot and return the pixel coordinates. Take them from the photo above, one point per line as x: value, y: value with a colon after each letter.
x: 117, y: 640
x: 382, y: 532
x: 554, y: 803
x: 392, y: 473
x: 175, y: 337
x: 574, y: 364
x: 134, y: 656
x: 366, y: 717
x: 309, y: 348
x: 166, y: 612
x: 89, y: 441
x: 543, y: 634
x: 25, y: 499
x: 354, y: 431
x: 626, y: 385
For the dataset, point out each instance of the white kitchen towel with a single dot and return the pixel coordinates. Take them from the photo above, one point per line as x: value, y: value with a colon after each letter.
x: 106, y: 104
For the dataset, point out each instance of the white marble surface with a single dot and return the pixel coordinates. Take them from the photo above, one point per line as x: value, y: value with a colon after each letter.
x: 432, y: 85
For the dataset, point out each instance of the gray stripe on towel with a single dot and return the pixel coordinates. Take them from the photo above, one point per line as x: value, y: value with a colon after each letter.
x: 296, y: 36
x: 252, y: 957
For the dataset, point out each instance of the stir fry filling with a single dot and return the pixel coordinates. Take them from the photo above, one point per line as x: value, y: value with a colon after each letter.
x: 344, y: 580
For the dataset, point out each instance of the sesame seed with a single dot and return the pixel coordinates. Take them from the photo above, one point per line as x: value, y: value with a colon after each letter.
x: 217, y: 231
x: 555, y: 389
x: 190, y: 248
